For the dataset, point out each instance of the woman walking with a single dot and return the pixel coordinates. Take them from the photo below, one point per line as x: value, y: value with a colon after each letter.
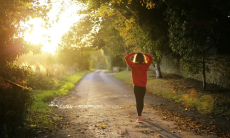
x: 139, y: 67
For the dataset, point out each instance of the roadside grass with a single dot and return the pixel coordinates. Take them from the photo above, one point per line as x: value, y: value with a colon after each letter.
x: 40, y: 114
x: 186, y: 92
x: 108, y: 71
x: 125, y: 76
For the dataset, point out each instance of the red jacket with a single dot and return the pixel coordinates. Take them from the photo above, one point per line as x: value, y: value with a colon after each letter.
x: 139, y: 71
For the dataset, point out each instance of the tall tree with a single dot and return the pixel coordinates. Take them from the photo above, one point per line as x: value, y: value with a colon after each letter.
x: 153, y: 34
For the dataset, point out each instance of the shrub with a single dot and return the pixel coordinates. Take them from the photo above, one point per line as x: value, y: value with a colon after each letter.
x: 41, y: 82
x: 14, y: 103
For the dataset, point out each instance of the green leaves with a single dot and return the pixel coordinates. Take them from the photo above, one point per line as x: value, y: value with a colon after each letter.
x: 12, y: 13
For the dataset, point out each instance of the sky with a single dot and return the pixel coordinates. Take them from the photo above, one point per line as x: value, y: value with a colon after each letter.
x: 67, y: 18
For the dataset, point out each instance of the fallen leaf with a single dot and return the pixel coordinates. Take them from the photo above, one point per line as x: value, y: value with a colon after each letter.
x: 102, y: 126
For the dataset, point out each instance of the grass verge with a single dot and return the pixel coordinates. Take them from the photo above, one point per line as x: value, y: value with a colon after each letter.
x: 40, y: 114
x: 186, y: 92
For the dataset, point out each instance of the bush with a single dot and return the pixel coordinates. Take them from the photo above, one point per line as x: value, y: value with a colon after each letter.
x: 14, y: 103
x: 41, y: 82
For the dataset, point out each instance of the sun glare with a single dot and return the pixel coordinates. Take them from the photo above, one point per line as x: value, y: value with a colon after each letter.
x: 49, y: 38
x: 35, y: 34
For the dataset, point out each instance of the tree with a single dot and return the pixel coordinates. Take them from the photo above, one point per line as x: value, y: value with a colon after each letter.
x: 185, y: 28
x: 75, y: 45
x: 153, y: 34
x: 195, y: 28
x: 11, y: 14
x: 109, y: 40
x: 79, y: 57
x: 140, y: 28
x: 14, y: 96
x: 98, y: 60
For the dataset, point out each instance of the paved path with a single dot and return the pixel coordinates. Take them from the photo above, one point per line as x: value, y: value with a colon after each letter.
x: 103, y: 106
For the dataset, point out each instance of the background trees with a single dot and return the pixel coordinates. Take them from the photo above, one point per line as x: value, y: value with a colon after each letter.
x: 108, y: 39
x: 191, y: 30
x: 140, y: 28
x: 75, y: 46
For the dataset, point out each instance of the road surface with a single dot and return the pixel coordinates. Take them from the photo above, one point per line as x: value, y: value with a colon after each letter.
x: 103, y: 106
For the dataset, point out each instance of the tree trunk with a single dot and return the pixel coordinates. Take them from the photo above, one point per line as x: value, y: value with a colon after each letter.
x: 109, y: 59
x: 126, y: 51
x: 128, y: 69
x: 203, y: 72
x: 158, y: 70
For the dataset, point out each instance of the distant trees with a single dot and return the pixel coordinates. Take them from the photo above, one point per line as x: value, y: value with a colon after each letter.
x: 98, y: 60
x: 75, y: 47
x: 138, y: 27
x: 108, y: 39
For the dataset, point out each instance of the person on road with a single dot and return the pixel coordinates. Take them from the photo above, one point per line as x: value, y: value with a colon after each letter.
x: 139, y: 67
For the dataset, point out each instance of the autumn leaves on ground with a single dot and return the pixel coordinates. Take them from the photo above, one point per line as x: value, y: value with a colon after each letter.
x: 103, y: 106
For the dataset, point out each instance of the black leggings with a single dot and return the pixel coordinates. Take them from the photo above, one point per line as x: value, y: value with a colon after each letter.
x: 139, y: 94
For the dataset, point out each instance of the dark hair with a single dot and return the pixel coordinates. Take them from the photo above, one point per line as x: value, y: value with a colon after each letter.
x: 139, y: 58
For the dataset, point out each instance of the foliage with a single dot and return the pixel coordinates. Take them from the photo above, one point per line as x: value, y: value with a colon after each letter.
x: 145, y: 28
x: 74, y: 48
x: 78, y: 34
x: 11, y: 14
x: 79, y: 57
x: 188, y: 29
x: 15, y: 73
x: 109, y: 40
x: 97, y: 60
x: 42, y: 82
x: 129, y: 26
x: 195, y: 27
x: 15, y: 98
x: 136, y: 25
x: 14, y: 103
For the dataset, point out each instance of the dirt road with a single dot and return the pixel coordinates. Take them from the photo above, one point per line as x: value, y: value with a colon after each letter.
x: 103, y: 106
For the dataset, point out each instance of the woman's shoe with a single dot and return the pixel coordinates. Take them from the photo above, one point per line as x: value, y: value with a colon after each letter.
x: 139, y: 119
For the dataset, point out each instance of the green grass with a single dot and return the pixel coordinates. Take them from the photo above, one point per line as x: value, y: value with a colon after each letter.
x: 39, y: 116
x: 125, y: 76
x: 191, y: 98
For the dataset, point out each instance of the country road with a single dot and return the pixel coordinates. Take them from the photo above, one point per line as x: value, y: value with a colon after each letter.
x: 103, y: 106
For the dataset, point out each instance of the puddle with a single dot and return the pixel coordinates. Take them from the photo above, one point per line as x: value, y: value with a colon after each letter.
x: 69, y: 106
